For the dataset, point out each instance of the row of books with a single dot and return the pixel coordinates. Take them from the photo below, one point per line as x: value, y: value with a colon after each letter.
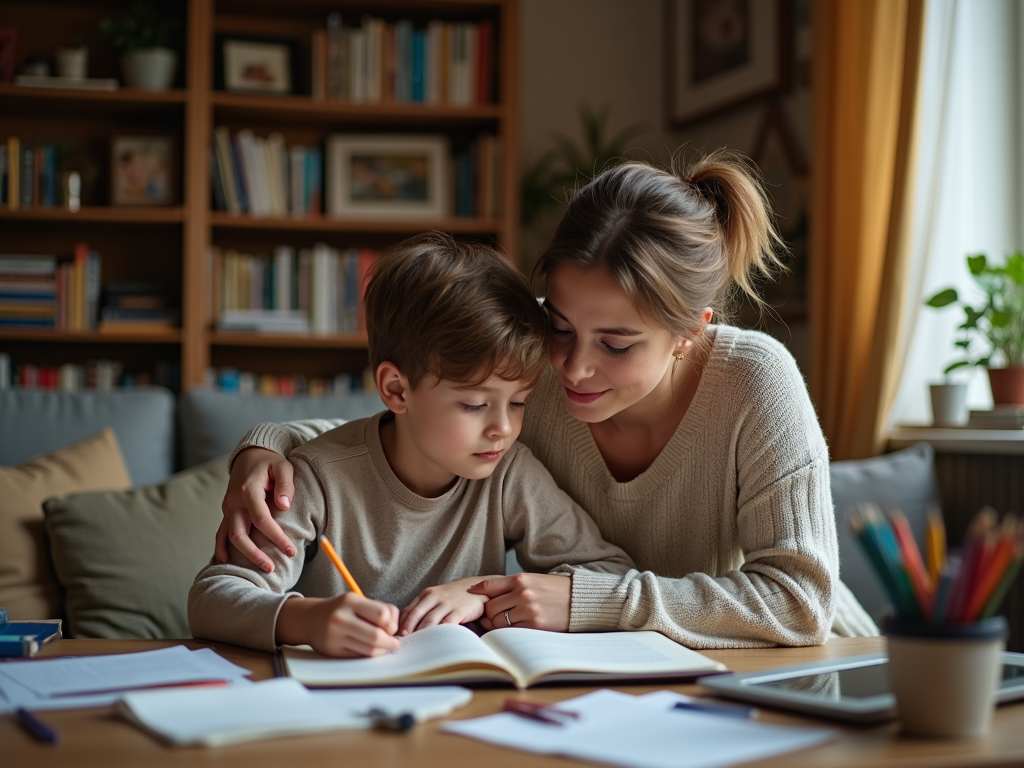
x: 38, y: 291
x: 99, y: 375
x: 262, y: 177
x: 316, y: 290
x: 248, y: 383
x: 380, y: 61
x: 28, y: 174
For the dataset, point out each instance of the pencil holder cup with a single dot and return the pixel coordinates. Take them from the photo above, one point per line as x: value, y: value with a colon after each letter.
x: 944, y: 677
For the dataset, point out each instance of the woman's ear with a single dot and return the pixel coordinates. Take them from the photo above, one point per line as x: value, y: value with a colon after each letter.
x: 392, y: 387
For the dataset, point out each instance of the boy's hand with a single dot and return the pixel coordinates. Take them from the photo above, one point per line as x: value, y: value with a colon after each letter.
x: 444, y: 604
x: 256, y: 476
x: 343, y: 626
x: 535, y: 600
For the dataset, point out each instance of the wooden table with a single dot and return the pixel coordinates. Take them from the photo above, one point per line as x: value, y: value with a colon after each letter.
x: 97, y: 737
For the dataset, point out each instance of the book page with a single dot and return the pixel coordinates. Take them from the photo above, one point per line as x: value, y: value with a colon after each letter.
x: 536, y: 654
x: 424, y: 655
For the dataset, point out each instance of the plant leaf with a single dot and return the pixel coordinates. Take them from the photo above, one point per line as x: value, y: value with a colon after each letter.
x: 943, y: 298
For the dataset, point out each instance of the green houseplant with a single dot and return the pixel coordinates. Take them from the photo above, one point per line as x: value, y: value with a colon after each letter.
x: 144, y: 38
x: 992, y: 333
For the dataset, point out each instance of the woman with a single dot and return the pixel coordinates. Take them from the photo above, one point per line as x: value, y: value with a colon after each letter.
x: 693, y: 446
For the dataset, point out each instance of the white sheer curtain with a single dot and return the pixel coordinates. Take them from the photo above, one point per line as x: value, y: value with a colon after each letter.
x: 970, y: 180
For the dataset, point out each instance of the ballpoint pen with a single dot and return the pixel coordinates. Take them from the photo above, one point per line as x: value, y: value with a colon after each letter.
x: 716, y: 708
x: 539, y: 712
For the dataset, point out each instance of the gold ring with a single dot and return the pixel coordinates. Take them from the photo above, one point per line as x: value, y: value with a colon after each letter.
x: 507, y: 619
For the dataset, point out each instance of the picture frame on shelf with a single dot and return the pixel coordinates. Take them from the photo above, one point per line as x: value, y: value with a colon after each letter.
x: 387, y: 177
x: 723, y: 53
x: 256, y: 66
x: 143, y: 171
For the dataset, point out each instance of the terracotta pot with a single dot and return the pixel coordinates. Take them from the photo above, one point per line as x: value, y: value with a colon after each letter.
x: 1007, y: 385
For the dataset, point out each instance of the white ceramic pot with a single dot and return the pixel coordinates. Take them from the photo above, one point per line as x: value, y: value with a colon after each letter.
x: 949, y: 405
x: 149, y: 68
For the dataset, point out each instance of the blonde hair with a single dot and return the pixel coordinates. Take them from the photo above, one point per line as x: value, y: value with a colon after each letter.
x: 674, y: 243
x: 457, y: 310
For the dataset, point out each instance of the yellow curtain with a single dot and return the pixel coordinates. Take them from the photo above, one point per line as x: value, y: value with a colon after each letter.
x: 865, y: 85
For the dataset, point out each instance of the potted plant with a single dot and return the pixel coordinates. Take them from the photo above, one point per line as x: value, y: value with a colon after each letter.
x: 992, y: 333
x: 144, y: 39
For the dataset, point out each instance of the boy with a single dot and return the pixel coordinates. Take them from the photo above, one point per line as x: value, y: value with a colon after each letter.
x: 431, y: 491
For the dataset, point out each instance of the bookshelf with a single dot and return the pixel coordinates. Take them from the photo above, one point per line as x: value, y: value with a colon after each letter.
x: 173, y: 244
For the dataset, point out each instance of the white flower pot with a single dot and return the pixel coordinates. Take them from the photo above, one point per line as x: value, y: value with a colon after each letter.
x: 150, y: 68
x: 949, y: 405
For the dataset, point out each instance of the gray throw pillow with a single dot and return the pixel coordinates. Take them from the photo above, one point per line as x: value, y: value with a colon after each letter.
x: 903, y: 479
x: 127, y: 559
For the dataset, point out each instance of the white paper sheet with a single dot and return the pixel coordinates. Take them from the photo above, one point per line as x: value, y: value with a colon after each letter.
x: 29, y: 683
x: 641, y: 732
x: 279, y: 707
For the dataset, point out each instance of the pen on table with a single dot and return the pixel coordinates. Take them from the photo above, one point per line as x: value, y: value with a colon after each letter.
x: 39, y: 730
x: 539, y: 712
x: 716, y: 708
x: 278, y: 667
x: 329, y: 549
x: 386, y: 721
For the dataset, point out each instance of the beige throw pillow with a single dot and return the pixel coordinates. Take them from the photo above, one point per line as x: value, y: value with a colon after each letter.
x: 127, y: 559
x: 28, y: 588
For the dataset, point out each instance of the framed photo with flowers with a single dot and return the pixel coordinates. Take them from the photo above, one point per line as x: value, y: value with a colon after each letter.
x: 722, y: 53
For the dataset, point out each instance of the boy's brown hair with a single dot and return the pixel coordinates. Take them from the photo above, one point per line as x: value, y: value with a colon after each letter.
x: 457, y: 310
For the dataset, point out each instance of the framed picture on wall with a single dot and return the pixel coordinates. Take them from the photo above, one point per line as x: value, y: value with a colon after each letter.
x: 387, y: 177
x: 722, y: 53
x: 142, y: 170
x: 256, y: 66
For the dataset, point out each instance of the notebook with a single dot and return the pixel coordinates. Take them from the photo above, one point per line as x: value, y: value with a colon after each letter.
x: 452, y: 653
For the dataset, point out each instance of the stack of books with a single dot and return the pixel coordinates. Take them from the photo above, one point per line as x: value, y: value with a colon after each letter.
x: 28, y: 291
x: 28, y: 174
x: 135, y: 307
x: 1000, y: 417
x: 379, y: 61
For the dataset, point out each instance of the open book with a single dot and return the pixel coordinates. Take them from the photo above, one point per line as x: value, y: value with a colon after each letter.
x: 451, y: 653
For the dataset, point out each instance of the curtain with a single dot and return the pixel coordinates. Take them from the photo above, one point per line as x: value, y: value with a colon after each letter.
x: 865, y: 86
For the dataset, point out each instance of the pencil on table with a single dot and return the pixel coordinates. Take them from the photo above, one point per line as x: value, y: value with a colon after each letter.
x: 331, y: 553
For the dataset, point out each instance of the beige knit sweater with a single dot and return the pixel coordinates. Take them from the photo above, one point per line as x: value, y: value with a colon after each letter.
x: 732, y: 527
x: 395, y: 542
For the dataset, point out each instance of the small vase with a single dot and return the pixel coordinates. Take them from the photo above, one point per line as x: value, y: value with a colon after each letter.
x: 949, y: 405
x: 1007, y: 385
x: 151, y: 69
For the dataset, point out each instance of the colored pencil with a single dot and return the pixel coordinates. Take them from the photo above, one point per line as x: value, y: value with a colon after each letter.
x: 869, y: 546
x: 974, y: 545
x: 919, y: 580
x: 935, y: 539
x: 331, y: 553
x: 894, y: 559
x: 1004, y: 586
x: 993, y: 567
x: 950, y: 569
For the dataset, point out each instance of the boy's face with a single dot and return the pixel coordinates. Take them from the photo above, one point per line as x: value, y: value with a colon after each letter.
x: 453, y: 429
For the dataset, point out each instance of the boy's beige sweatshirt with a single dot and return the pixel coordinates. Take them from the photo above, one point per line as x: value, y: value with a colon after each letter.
x: 395, y: 542
x: 732, y: 527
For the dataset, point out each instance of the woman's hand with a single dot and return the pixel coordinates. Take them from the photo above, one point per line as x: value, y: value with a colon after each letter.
x: 345, y: 626
x: 534, y: 600
x: 257, y: 476
x: 449, y: 603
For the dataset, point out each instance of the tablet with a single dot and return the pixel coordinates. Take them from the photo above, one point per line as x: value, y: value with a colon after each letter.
x: 855, y: 688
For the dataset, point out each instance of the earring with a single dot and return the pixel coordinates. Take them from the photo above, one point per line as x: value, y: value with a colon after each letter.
x: 679, y: 355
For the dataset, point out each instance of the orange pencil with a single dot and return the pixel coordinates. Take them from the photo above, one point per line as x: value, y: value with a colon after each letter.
x: 992, y: 571
x: 329, y: 549
x: 935, y: 538
x: 912, y: 560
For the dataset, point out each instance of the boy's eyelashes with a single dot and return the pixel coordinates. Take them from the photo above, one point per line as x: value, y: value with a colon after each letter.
x: 472, y: 408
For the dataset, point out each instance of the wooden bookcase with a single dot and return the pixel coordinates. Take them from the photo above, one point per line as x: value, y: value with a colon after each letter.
x: 172, y: 244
